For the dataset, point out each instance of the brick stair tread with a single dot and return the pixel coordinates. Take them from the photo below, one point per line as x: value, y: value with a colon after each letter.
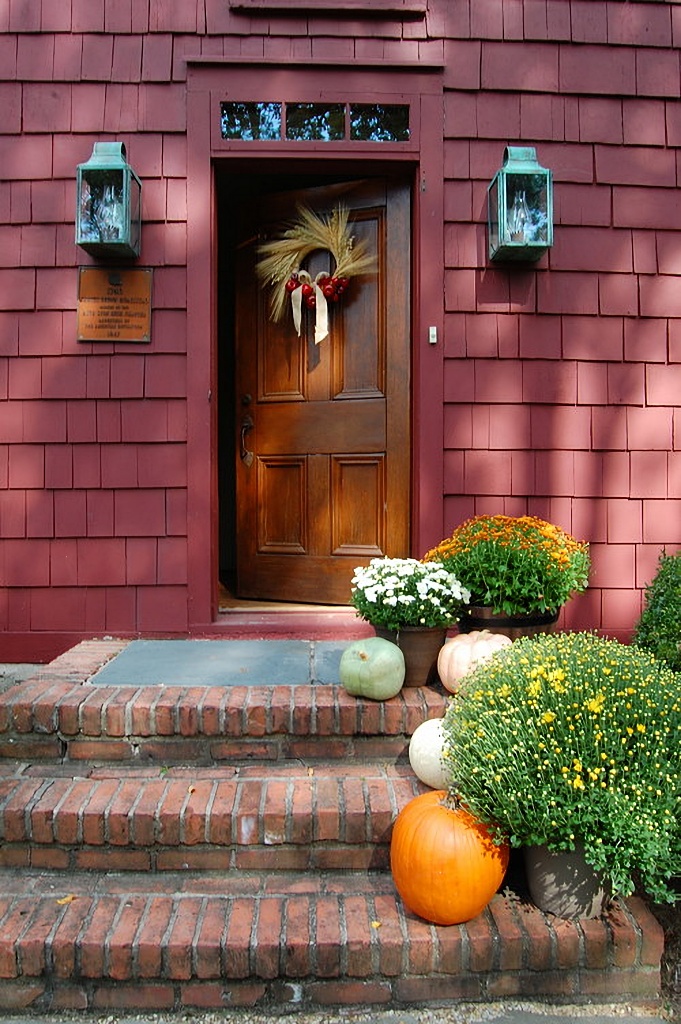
x: 284, y: 815
x: 317, y: 929
x: 59, y: 715
x: 82, y: 709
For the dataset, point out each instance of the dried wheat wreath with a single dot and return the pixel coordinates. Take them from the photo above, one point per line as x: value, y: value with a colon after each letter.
x: 281, y: 262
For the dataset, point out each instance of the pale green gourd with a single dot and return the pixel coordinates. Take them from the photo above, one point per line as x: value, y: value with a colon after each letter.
x: 372, y: 668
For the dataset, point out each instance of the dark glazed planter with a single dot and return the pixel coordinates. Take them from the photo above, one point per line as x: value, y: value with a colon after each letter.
x: 482, y: 617
x: 562, y: 883
x: 420, y: 646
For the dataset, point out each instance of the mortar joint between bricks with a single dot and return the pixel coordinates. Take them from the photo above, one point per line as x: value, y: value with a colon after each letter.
x: 210, y: 804
x: 132, y: 815
x: 496, y: 940
x: 525, y: 938
x: 374, y: 941
x: 253, y: 940
x: 553, y: 943
x: 269, y: 712
x: 106, y: 944
x: 194, y: 952
x: 343, y: 928
x: 313, y: 713
x: 106, y: 813
x: 312, y: 919
x: 135, y: 945
x: 128, y: 713
x: 164, y: 943
x: 465, y: 948
x: 631, y: 919
x: 367, y: 810
x: 182, y: 824
x: 30, y: 804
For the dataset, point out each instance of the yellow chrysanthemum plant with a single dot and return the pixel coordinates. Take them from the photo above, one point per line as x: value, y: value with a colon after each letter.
x: 573, y: 739
x: 515, y: 565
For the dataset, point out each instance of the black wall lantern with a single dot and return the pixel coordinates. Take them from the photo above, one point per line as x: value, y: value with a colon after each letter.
x: 520, y: 207
x: 109, y: 204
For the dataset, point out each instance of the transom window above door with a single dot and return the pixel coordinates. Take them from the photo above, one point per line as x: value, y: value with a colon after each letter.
x: 314, y: 122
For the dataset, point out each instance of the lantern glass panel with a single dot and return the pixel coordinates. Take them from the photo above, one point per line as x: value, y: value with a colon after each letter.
x: 493, y: 215
x: 135, y: 226
x: 527, y: 213
x: 102, y: 201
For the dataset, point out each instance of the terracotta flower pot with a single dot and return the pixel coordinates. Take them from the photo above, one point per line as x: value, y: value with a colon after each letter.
x: 420, y: 646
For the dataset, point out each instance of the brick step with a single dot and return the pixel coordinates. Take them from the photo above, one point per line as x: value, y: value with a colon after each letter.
x: 280, y: 817
x: 60, y: 716
x: 160, y: 942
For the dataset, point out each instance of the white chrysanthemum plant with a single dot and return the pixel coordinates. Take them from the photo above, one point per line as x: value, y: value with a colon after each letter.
x: 392, y: 593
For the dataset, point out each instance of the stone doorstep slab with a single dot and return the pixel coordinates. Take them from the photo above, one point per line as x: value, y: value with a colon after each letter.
x: 222, y: 663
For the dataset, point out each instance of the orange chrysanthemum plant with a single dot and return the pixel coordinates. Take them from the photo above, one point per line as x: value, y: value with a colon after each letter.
x: 517, y: 565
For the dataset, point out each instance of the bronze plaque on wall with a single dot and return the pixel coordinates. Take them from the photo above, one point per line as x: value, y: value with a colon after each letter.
x: 114, y: 304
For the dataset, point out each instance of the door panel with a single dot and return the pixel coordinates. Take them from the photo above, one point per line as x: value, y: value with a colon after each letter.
x: 309, y: 427
x: 357, y: 503
x: 282, y: 518
x: 323, y: 468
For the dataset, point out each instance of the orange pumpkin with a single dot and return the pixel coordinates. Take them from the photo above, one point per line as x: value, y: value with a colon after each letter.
x: 463, y: 652
x: 444, y: 864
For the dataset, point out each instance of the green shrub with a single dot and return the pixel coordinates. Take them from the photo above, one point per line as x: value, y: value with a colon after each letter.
x: 659, y: 628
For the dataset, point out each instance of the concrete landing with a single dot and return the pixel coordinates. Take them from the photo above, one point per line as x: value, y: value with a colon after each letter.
x: 222, y: 663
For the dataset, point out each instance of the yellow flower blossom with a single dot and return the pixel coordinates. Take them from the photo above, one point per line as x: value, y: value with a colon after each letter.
x: 595, y: 705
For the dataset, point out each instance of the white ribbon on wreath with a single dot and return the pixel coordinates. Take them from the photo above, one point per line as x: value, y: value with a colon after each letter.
x: 321, y: 323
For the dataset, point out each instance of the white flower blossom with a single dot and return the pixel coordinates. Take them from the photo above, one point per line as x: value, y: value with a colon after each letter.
x: 395, y: 592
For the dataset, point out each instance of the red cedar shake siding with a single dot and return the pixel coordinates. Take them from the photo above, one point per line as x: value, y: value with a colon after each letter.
x: 554, y: 389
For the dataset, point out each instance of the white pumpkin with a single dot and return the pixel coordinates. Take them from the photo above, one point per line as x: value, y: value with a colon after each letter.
x: 462, y: 653
x: 426, y: 749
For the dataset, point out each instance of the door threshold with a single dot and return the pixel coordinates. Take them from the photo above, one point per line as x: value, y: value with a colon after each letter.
x: 241, y: 618
x: 308, y: 623
x: 228, y: 604
x: 234, y: 605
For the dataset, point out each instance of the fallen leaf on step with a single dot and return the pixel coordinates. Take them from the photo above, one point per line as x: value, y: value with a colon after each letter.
x: 375, y: 924
x: 67, y: 899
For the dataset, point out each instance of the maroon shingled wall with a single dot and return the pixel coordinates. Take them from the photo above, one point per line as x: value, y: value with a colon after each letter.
x: 561, y: 381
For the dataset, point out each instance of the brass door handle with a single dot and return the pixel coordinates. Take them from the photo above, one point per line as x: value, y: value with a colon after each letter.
x: 246, y: 455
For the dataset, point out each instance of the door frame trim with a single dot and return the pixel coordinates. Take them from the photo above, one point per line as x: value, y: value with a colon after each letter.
x: 426, y: 156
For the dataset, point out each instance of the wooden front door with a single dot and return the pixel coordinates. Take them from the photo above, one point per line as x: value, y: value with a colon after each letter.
x: 323, y: 430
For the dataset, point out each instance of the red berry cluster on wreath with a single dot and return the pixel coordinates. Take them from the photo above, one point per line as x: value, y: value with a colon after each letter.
x: 332, y: 288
